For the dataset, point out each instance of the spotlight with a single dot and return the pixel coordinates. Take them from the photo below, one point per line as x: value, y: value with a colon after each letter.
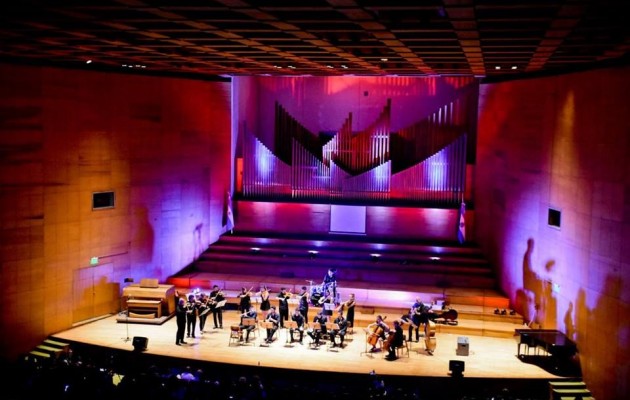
x: 435, y: 258
x: 312, y: 253
x: 256, y: 249
x: 375, y: 256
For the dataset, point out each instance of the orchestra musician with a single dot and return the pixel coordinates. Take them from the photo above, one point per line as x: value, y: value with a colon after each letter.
x: 249, y: 314
x: 180, y: 315
x: 203, y: 308
x: 191, y: 315
x: 340, y: 330
x: 330, y: 282
x: 394, y: 341
x: 304, y: 296
x: 274, y: 318
x: 348, y: 306
x: 217, y: 296
x: 418, y: 317
x: 409, y: 319
x: 283, y: 305
x: 299, y: 319
x: 246, y: 300
x: 265, y: 304
x: 316, y: 334
x: 377, y: 330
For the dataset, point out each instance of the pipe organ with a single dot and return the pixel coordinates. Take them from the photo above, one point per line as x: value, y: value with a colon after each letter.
x: 424, y: 163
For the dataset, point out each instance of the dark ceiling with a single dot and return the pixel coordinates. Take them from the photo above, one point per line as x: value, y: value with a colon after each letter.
x: 206, y: 38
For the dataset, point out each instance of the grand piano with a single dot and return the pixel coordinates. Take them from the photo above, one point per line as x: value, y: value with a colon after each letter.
x: 553, y: 351
x: 148, y: 302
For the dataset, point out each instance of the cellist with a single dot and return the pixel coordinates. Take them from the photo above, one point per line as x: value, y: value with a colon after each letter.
x: 377, y: 330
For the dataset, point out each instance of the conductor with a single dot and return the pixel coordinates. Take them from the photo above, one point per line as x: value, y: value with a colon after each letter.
x: 330, y: 283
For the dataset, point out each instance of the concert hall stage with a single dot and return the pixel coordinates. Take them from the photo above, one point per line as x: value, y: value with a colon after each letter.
x: 488, y: 357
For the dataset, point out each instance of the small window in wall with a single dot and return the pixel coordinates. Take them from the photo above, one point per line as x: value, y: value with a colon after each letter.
x: 102, y: 200
x: 554, y: 217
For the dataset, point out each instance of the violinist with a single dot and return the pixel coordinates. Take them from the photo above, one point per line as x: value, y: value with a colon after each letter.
x: 304, y: 300
x: 203, y: 308
x: 342, y: 327
x: 408, y: 318
x: 265, y: 304
x: 299, y: 319
x: 191, y: 316
x: 283, y: 304
x: 274, y: 318
x: 216, y: 296
x: 394, y: 340
x: 377, y: 330
x: 316, y: 334
x: 246, y: 300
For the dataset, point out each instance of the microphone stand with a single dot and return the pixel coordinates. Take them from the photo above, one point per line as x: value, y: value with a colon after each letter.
x: 127, y: 339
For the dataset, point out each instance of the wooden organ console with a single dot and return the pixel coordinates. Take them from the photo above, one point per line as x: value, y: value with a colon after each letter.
x: 149, y: 297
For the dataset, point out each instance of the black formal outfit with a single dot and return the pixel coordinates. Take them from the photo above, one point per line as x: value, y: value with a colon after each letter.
x: 343, y: 327
x: 349, y: 306
x: 316, y: 334
x: 249, y: 314
x: 246, y: 301
x: 299, y: 321
x: 273, y: 317
x: 216, y: 296
x: 191, y: 317
x: 330, y: 283
x: 283, y: 306
x: 265, y: 304
x: 396, y: 341
x: 303, y: 305
x: 203, y: 309
x: 180, y: 316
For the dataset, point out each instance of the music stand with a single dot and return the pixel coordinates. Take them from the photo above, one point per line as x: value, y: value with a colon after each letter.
x: 267, y: 325
x: 290, y: 325
x: 220, y: 304
x: 127, y: 339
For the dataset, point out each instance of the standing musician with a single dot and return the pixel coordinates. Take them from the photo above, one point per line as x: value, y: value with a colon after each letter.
x: 180, y: 314
x: 330, y: 282
x: 326, y: 301
x: 217, y: 296
x: 342, y: 325
x: 191, y: 315
x: 316, y: 334
x: 299, y: 321
x: 283, y: 304
x: 418, y: 317
x: 203, y: 310
x: 246, y: 300
x: 376, y: 330
x: 274, y: 318
x: 348, y: 305
x: 394, y: 340
x: 409, y: 319
x: 265, y: 304
x: 304, y: 300
x: 249, y: 314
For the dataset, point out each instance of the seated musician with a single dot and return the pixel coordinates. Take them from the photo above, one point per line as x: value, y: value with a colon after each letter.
x: 298, y: 318
x: 394, y: 341
x: 377, y: 330
x: 342, y: 323
x: 274, y: 318
x: 249, y: 314
x: 316, y: 334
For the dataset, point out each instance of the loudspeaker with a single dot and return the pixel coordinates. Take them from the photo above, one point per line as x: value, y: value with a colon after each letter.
x: 462, y: 346
x: 456, y: 368
x: 140, y: 343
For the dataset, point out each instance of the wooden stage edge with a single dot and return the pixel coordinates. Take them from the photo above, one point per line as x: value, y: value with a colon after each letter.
x: 488, y: 357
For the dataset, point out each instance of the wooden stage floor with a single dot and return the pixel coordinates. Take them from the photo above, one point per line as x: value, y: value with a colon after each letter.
x: 489, y: 357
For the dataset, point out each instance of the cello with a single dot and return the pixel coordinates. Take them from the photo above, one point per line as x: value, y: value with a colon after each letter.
x: 375, y: 334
